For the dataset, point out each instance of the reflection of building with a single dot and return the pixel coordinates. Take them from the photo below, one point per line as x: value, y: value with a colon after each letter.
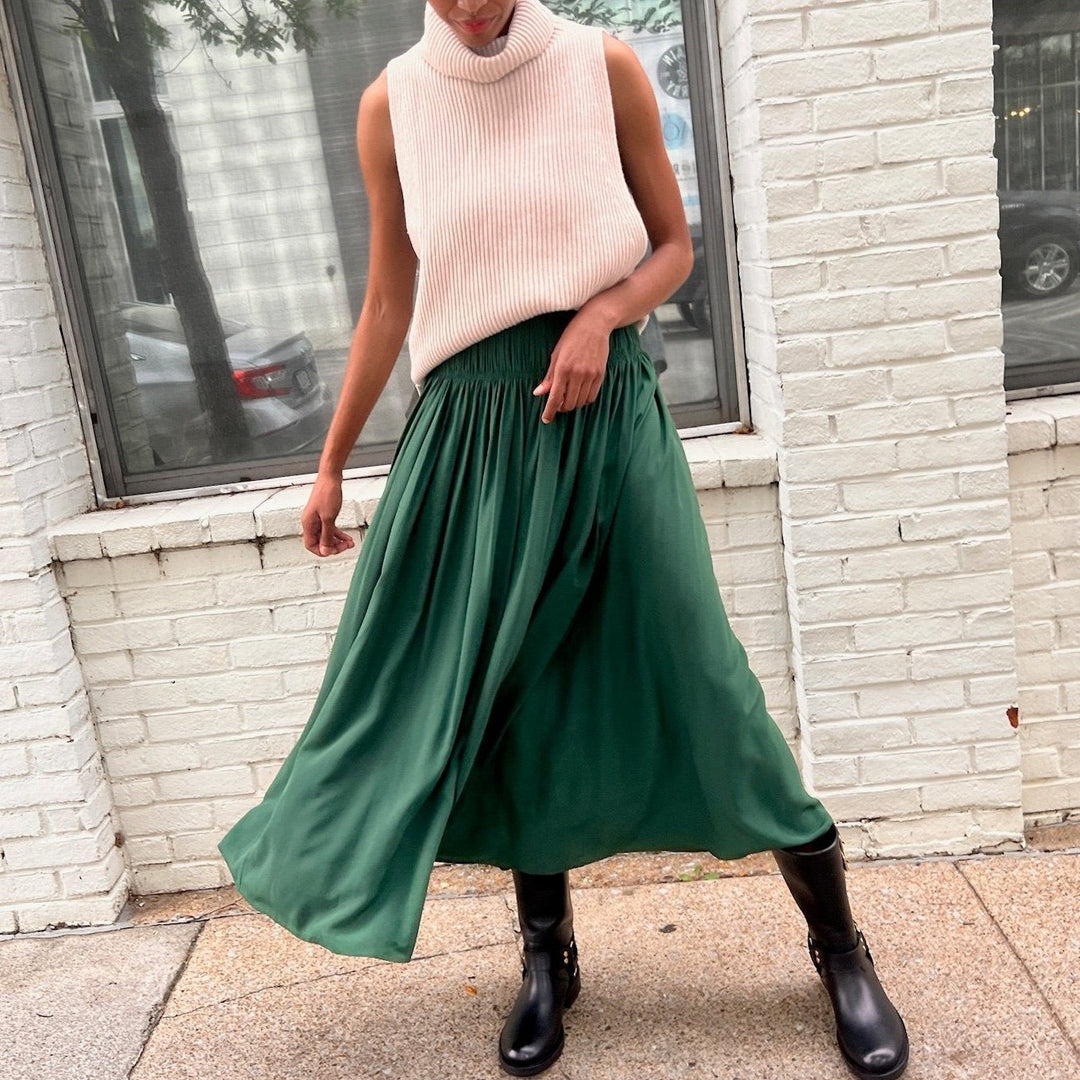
x: 272, y: 179
x: 1037, y: 95
x: 256, y: 186
x: 136, y: 220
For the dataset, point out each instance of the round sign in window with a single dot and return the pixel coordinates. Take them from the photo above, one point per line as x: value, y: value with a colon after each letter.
x: 676, y: 130
x: 671, y: 72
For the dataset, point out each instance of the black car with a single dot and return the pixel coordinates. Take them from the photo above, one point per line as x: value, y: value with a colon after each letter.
x: 1040, y: 241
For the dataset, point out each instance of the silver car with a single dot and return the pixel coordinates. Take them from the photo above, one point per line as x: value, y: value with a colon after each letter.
x: 285, y: 402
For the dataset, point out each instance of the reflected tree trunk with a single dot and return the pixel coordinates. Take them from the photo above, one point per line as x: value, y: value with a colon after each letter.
x: 125, y: 51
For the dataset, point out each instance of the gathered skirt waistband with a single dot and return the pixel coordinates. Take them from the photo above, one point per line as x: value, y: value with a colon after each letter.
x: 523, y: 351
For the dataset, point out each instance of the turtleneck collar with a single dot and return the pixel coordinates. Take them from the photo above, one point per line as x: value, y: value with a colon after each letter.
x: 530, y: 30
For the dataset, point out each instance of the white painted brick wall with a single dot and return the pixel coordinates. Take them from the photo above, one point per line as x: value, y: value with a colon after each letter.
x: 203, y: 662
x: 878, y: 570
x: 861, y: 137
x: 59, y: 861
x: 1044, y: 468
x: 203, y: 629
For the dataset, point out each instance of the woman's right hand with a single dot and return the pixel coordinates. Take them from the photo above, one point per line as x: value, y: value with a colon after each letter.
x: 321, y: 536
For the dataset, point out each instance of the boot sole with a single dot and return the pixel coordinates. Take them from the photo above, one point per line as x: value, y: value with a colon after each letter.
x: 539, y: 1066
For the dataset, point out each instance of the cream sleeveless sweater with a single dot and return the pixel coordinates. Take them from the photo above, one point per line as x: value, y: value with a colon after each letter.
x: 515, y: 199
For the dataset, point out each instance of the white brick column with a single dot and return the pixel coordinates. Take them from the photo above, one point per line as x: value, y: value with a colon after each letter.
x: 59, y: 857
x: 861, y: 138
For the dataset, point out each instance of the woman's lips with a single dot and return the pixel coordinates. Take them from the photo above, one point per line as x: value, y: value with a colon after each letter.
x: 474, y: 26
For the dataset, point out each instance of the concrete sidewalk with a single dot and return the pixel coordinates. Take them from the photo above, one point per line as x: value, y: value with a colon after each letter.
x: 684, y: 974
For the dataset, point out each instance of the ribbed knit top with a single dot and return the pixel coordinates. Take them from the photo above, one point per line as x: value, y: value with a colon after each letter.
x: 515, y: 198
x: 492, y: 47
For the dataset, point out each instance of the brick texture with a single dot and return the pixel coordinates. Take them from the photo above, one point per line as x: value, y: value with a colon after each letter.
x: 868, y: 263
x: 899, y: 561
x: 203, y: 662
x: 59, y: 859
x: 1044, y: 469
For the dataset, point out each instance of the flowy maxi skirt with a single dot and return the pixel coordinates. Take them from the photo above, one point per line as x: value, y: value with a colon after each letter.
x: 533, y: 667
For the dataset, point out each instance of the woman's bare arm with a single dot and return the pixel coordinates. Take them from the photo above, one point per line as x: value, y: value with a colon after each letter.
x: 578, y: 361
x: 652, y: 182
x: 388, y: 298
x: 383, y: 323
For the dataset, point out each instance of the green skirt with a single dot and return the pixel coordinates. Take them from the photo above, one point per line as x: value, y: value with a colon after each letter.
x: 533, y: 667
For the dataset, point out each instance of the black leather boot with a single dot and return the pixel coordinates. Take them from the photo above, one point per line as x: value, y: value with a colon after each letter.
x: 532, y: 1036
x: 870, y: 1032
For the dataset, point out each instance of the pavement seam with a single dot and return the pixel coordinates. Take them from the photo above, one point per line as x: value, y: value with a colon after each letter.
x: 332, y: 975
x: 512, y: 912
x: 1023, y: 964
x: 158, y: 1011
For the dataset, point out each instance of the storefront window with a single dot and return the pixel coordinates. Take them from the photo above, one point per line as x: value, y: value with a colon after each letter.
x: 1037, y: 106
x: 211, y: 217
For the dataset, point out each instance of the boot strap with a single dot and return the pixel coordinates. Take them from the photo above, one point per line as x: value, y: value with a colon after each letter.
x: 818, y: 954
x: 565, y: 957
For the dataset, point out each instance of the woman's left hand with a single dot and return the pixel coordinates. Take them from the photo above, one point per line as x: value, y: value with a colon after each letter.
x: 578, y: 363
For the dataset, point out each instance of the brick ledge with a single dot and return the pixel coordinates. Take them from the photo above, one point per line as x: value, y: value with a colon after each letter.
x: 726, y: 460
x: 1043, y: 423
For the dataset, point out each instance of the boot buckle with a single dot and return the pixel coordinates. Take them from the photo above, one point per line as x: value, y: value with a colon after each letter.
x: 568, y: 958
x: 817, y: 953
x: 866, y: 947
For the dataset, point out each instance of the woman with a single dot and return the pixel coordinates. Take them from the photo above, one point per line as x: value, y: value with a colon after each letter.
x: 533, y: 668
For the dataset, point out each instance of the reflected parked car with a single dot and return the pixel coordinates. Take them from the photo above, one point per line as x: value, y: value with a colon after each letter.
x: 284, y: 399
x: 1040, y: 241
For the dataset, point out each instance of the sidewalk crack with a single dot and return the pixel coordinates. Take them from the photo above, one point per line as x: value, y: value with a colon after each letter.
x: 330, y: 975
x: 1070, y: 1042
x: 158, y: 1011
x: 511, y: 910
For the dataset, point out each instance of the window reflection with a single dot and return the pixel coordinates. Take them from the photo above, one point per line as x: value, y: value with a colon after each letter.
x: 1037, y: 105
x: 679, y: 334
x: 218, y: 212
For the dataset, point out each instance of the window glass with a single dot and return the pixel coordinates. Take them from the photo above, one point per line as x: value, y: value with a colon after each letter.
x: 218, y: 228
x: 1037, y: 106
x: 679, y: 336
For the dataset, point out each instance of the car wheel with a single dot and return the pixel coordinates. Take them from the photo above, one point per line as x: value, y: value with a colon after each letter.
x: 686, y: 312
x: 1047, y: 266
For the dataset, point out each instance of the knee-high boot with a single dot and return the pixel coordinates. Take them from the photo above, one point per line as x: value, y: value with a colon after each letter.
x: 532, y: 1037
x: 869, y: 1031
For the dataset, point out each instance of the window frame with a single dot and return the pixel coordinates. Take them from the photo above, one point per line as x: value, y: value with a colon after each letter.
x: 71, y: 293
